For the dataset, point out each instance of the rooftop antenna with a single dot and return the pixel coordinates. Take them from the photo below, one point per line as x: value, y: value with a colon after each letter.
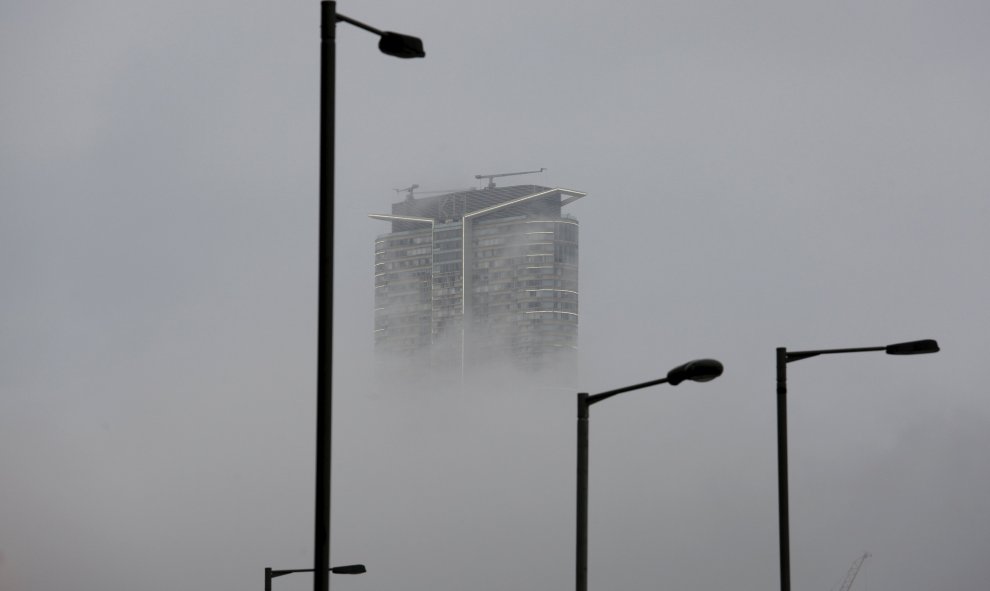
x: 491, y: 177
x: 409, y: 191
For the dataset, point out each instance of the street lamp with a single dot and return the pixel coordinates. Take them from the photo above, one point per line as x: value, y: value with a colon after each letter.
x: 783, y: 358
x: 396, y: 45
x: 350, y: 569
x: 699, y: 370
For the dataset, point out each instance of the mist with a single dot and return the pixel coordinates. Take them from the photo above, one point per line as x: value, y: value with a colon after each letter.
x: 809, y: 176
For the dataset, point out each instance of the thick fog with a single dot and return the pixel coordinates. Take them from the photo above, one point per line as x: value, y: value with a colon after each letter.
x: 809, y: 175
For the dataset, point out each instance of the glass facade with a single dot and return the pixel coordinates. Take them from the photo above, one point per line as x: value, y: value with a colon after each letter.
x: 500, y: 282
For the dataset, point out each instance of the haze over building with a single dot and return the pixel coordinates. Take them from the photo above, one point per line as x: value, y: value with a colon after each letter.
x: 476, y: 275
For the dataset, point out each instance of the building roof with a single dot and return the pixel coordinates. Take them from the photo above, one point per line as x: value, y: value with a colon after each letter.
x: 452, y: 207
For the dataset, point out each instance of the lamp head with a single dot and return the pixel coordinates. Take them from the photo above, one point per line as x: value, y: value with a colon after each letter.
x: 913, y: 348
x: 399, y: 45
x: 350, y: 569
x: 699, y: 370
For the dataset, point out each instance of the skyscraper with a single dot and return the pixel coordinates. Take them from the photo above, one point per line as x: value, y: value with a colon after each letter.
x: 480, y: 274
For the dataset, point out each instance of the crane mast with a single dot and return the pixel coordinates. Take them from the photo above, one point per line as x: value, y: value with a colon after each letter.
x: 853, y: 571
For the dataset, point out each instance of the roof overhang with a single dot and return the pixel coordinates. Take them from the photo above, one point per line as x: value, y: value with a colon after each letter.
x: 566, y: 196
x: 399, y: 218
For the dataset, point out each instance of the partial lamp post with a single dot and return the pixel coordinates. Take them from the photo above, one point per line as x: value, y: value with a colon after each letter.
x: 350, y: 569
x: 700, y: 370
x: 397, y: 45
x: 783, y: 358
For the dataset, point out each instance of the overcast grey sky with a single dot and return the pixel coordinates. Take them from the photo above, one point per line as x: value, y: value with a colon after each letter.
x: 763, y: 174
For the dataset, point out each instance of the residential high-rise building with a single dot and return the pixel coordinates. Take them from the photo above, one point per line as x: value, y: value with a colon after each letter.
x: 480, y: 274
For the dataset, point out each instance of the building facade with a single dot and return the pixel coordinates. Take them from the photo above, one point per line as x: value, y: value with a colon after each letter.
x: 479, y: 275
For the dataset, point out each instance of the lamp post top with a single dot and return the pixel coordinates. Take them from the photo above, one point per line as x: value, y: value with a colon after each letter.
x: 907, y: 348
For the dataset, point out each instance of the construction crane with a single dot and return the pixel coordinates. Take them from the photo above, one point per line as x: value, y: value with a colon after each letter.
x: 491, y: 177
x: 411, y: 191
x: 853, y: 571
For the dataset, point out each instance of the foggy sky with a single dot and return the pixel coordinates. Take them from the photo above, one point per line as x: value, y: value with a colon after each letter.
x: 810, y: 175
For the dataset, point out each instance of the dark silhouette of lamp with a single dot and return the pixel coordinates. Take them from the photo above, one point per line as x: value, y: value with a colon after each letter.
x: 783, y: 358
x: 350, y: 569
x: 397, y: 45
x: 699, y: 370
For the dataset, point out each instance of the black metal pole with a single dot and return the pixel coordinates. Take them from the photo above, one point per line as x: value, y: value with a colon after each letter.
x: 782, y: 501
x: 324, y: 347
x: 268, y: 579
x: 581, y: 560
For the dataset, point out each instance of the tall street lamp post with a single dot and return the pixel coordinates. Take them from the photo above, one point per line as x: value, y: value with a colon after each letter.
x: 350, y: 569
x: 783, y: 358
x: 700, y: 370
x: 393, y: 44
